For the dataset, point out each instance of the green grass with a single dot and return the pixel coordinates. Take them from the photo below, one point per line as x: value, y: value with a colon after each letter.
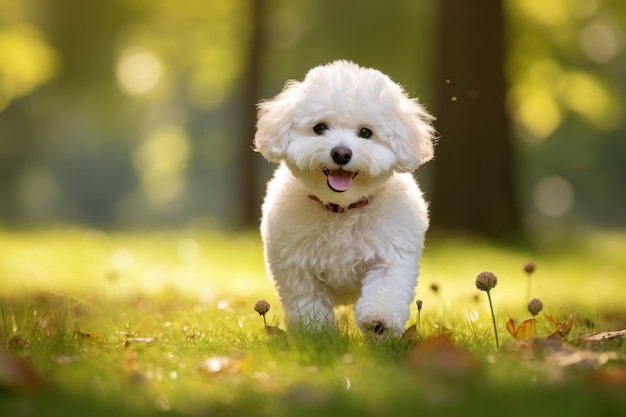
x: 162, y: 323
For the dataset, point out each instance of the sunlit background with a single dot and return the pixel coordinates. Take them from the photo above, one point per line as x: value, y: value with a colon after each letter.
x: 136, y: 113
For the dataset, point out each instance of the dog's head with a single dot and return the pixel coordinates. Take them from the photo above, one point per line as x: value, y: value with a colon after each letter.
x: 345, y: 129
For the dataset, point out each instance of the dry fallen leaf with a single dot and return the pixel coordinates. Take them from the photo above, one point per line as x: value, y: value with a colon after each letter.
x: 90, y: 336
x: 439, y: 355
x: 524, y: 331
x: 411, y: 334
x: 129, y: 362
x: 565, y: 361
x: 130, y: 366
x: 604, y: 340
x: 563, y: 328
x: 16, y: 375
x: 18, y: 345
x: 274, y: 331
x: 537, y: 348
x: 611, y: 377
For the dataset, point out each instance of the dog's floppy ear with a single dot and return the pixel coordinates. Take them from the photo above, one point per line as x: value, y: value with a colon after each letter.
x: 275, y: 121
x: 416, y: 135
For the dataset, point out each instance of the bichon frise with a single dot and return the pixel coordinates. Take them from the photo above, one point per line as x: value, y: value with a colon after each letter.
x: 343, y: 219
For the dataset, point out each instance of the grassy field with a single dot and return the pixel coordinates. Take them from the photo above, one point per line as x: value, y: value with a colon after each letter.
x: 162, y: 323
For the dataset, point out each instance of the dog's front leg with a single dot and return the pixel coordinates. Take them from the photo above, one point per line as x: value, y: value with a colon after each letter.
x: 387, y: 291
x: 307, y: 304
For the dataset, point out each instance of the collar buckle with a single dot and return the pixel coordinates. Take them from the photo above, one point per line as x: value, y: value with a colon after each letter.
x: 336, y: 208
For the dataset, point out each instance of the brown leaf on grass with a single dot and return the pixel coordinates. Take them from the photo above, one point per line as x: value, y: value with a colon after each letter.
x: 537, y: 348
x: 439, y: 355
x: 610, y: 377
x: 129, y: 361
x: 604, y: 340
x: 90, y: 336
x: 618, y: 334
x: 613, y: 319
x: 130, y: 366
x: 563, y: 328
x: 524, y: 331
x: 581, y: 359
x: 18, y: 345
x: 411, y: 334
x: 274, y: 331
x: 564, y: 362
x: 16, y: 375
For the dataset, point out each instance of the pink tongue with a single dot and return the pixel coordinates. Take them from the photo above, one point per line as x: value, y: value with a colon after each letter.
x: 340, y: 180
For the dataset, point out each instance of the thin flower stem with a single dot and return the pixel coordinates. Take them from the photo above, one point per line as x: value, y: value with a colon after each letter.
x: 528, y: 283
x: 419, y: 314
x: 493, y: 318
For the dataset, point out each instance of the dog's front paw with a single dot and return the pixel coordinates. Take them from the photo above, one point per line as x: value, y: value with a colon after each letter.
x: 381, y: 324
x: 376, y: 328
x: 380, y: 319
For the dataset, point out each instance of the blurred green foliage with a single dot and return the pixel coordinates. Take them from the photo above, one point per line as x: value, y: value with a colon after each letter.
x: 126, y: 113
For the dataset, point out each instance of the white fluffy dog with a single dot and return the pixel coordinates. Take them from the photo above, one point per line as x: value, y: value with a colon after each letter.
x: 343, y: 219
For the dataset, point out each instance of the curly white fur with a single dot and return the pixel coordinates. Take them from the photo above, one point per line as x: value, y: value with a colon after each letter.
x: 367, y: 255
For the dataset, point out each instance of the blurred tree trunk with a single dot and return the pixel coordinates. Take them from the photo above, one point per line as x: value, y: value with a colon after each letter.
x: 249, y: 201
x: 474, y: 187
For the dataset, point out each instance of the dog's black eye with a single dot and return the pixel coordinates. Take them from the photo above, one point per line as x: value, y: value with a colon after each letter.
x: 320, y: 128
x: 365, y: 133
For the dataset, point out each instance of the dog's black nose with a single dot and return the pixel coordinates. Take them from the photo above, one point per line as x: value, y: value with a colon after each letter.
x: 341, y: 155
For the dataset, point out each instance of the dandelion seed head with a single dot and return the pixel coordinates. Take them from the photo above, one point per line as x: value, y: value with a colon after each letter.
x: 529, y: 267
x: 261, y: 307
x: 535, y: 306
x: 486, y: 280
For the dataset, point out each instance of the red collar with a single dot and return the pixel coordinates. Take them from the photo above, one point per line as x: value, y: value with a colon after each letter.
x: 336, y: 208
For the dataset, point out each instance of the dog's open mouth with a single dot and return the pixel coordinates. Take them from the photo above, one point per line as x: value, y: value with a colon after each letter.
x: 339, y: 180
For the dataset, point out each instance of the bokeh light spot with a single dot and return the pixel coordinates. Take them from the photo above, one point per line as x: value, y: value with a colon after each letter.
x: 553, y: 196
x: 539, y: 113
x: 189, y: 250
x: 599, y: 41
x: 26, y: 62
x: 592, y: 100
x: 138, y: 71
x: 122, y: 259
x: 161, y: 161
